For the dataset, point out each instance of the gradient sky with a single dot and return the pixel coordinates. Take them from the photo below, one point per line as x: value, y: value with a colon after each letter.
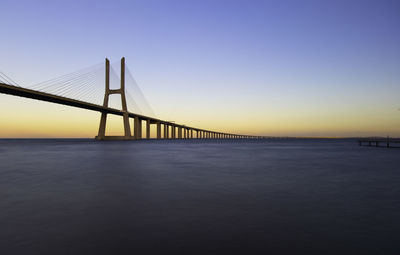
x: 287, y: 68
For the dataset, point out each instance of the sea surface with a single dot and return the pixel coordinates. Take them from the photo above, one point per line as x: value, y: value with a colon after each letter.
x: 198, y: 197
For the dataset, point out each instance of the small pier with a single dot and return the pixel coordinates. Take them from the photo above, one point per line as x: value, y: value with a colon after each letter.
x: 380, y: 142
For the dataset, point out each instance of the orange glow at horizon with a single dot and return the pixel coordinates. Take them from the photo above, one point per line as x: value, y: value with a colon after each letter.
x: 26, y: 118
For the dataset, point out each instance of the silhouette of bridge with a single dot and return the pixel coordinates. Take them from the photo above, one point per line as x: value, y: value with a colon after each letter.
x: 171, y: 130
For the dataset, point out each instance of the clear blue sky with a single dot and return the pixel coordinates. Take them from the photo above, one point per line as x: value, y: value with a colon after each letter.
x: 318, y: 68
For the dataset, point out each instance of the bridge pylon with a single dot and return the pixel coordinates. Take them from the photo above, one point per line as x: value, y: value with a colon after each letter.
x: 102, y: 128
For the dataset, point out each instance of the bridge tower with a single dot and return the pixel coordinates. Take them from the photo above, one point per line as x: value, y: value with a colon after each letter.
x: 102, y: 128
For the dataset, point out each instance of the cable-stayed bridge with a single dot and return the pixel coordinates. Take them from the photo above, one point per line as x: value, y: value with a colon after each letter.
x: 81, y: 89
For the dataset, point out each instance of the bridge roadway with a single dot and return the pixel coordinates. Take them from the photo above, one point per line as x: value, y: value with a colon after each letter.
x: 38, y: 95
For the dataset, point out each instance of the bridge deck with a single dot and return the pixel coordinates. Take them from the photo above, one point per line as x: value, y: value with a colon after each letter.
x: 38, y: 95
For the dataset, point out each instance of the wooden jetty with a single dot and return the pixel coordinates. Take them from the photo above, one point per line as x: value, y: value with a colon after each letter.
x: 380, y: 142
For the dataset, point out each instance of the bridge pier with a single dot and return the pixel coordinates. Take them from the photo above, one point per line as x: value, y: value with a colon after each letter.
x: 173, y: 132
x: 165, y: 131
x: 103, y: 119
x: 158, y: 130
x: 137, y: 128
x: 148, y: 123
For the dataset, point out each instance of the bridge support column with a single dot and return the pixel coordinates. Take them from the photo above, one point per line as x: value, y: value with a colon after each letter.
x: 179, y: 132
x: 173, y: 132
x: 191, y: 133
x: 148, y: 129
x: 158, y: 130
x: 138, y: 128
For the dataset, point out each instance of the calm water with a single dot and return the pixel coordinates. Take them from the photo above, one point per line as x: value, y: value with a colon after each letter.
x: 198, y: 197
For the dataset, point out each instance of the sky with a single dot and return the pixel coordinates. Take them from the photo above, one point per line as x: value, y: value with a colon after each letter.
x: 315, y: 68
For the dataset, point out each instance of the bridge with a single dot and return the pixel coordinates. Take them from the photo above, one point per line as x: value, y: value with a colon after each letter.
x: 171, y: 130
